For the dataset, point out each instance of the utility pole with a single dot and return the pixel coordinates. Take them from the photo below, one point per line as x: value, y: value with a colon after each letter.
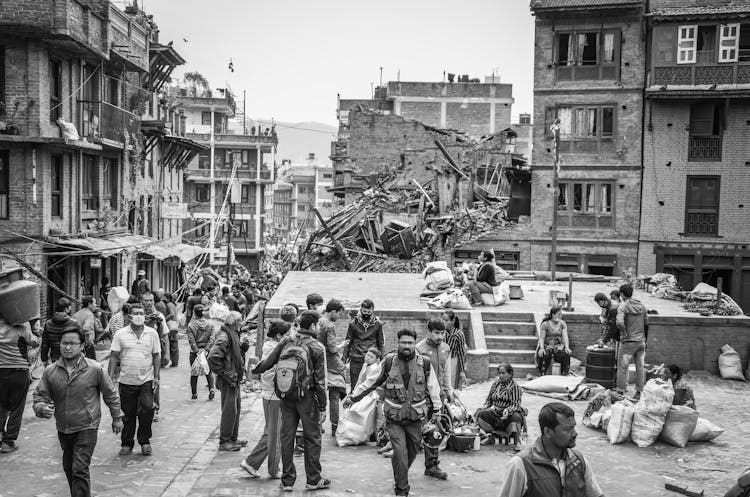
x: 212, y: 199
x: 230, y: 227
x: 555, y: 128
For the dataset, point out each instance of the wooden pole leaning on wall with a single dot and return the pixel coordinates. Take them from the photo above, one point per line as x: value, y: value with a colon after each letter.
x: 570, y: 307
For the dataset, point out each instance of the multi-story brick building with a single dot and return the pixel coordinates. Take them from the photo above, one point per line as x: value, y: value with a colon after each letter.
x: 367, y: 144
x: 589, y: 75
x: 79, y: 208
x: 696, y: 186
x: 208, y: 123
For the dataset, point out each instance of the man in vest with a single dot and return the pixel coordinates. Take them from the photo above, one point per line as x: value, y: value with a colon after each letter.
x: 434, y: 348
x: 408, y: 392
x: 551, y: 464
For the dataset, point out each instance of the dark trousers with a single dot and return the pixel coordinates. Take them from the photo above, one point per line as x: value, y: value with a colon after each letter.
x: 334, y: 398
x: 230, y: 411
x: 194, y: 379
x: 355, y: 367
x: 77, y: 449
x: 14, y: 385
x: 558, y: 355
x: 491, y: 420
x: 174, y: 348
x: 164, y: 341
x: 405, y: 439
x: 269, y: 443
x: 137, y: 403
x: 305, y: 410
x: 90, y: 351
x: 477, y: 288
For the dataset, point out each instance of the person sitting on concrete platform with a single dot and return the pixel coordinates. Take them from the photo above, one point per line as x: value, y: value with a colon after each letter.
x: 484, y: 278
x: 683, y: 393
x: 502, y: 410
x: 553, y: 342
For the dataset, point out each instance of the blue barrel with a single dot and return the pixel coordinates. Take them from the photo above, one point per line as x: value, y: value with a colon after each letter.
x: 601, y: 365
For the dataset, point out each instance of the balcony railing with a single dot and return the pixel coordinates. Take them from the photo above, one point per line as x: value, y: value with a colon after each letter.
x: 220, y: 174
x: 705, y: 148
x: 702, y: 223
x: 703, y: 74
x: 103, y: 120
x: 231, y: 138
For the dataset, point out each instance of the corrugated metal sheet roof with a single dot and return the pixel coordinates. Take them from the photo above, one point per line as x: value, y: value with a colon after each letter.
x: 561, y: 4
x: 108, y: 246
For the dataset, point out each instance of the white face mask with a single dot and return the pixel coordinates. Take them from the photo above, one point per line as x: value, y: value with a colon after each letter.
x: 138, y: 319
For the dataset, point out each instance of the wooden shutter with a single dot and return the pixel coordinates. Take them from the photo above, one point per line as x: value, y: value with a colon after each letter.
x: 729, y: 42
x: 686, y: 43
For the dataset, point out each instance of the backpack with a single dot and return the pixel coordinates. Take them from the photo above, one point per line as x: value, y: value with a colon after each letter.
x: 291, y: 379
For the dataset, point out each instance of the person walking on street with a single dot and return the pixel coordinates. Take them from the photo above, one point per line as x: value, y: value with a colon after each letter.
x: 270, y: 442
x: 434, y: 348
x: 409, y: 389
x: 456, y: 340
x: 364, y: 331
x: 136, y: 348
x: 191, y: 302
x: 156, y: 321
x: 632, y: 322
x: 71, y: 389
x: 172, y: 329
x: 201, y: 336
x: 15, y: 378
x: 141, y: 285
x: 334, y: 364
x: 87, y: 322
x: 552, y: 467
x: 300, y: 381
x: 225, y: 359
x: 54, y: 329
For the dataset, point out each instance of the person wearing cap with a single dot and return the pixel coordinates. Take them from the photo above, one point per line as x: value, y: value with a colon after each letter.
x: 270, y: 442
x: 141, y: 285
x: 201, y: 335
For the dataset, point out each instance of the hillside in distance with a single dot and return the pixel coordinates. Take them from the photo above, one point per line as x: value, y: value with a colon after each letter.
x: 297, y: 140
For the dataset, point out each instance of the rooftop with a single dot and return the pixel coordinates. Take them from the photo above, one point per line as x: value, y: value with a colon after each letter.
x: 567, y: 4
x: 701, y: 10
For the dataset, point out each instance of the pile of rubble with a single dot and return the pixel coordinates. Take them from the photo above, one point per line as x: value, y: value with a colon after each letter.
x: 703, y: 299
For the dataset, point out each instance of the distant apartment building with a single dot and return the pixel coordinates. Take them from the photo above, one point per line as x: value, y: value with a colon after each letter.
x: 238, y: 204
x: 524, y: 142
x: 696, y: 186
x: 85, y: 204
x: 589, y: 77
x: 474, y: 108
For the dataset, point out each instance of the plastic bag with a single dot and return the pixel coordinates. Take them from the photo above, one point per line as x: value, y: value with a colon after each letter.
x: 730, y: 364
x: 458, y: 300
x: 200, y: 365
x: 705, y: 431
x: 601, y: 402
x: 116, y: 297
x: 357, y: 423
x: 651, y: 412
x: 439, y: 279
x: 679, y: 425
x: 620, y: 422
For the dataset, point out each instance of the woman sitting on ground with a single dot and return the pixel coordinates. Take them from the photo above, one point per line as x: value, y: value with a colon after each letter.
x: 502, y: 409
x: 484, y: 279
x: 683, y: 394
x: 553, y: 342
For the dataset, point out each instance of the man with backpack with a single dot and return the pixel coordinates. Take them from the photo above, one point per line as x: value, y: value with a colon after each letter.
x: 300, y: 384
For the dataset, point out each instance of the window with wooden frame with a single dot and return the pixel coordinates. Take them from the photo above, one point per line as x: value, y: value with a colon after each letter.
x: 587, y: 204
x: 583, y: 128
x: 202, y: 192
x: 204, y: 159
x: 729, y: 42
x: 55, y: 90
x: 2, y: 83
x: 706, y: 129
x: 4, y: 184
x: 687, y: 37
x: 587, y: 55
x: 702, y: 205
x: 109, y: 182
x: 743, y: 52
x: 206, y: 118
x: 56, y: 185
x: 89, y: 184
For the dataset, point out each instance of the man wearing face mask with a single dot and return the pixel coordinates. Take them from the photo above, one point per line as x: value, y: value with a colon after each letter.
x: 364, y: 331
x: 434, y: 348
x: 156, y: 321
x: 410, y: 387
x: 137, y: 349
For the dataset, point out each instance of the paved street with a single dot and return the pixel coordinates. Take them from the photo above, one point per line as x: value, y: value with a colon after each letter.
x: 186, y: 461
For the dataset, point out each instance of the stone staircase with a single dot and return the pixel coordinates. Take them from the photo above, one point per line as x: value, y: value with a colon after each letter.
x: 511, y: 337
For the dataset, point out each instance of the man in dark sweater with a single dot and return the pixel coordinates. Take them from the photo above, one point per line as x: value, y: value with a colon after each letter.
x: 54, y: 329
x: 365, y: 331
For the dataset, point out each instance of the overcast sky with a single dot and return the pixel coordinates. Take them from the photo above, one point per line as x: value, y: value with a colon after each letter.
x: 293, y: 56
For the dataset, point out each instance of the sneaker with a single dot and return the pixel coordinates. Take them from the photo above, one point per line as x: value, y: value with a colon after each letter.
x: 488, y: 440
x: 517, y: 446
x: 156, y: 417
x: 8, y: 446
x: 250, y: 470
x: 229, y: 446
x: 241, y: 442
x: 125, y: 451
x: 287, y: 488
x: 322, y: 483
x: 211, y: 394
x: 637, y: 396
x: 388, y: 453
x: 385, y: 448
x: 436, y: 472
x: 146, y: 449
x: 194, y: 396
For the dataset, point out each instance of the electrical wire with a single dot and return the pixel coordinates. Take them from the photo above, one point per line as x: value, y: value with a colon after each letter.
x: 95, y: 71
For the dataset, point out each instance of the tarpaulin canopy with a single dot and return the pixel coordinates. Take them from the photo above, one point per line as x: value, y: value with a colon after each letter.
x: 182, y: 251
x: 110, y: 245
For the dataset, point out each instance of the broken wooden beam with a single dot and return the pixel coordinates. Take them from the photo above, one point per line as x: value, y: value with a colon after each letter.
x: 340, y: 248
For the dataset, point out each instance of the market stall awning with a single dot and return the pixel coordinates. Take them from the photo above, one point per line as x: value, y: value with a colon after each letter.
x: 182, y: 251
x: 110, y: 245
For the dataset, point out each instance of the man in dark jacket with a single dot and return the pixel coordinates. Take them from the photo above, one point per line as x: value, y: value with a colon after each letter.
x: 535, y: 472
x: 632, y: 321
x: 191, y: 302
x: 364, y: 331
x: 54, y: 329
x: 225, y: 359
x: 310, y: 408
